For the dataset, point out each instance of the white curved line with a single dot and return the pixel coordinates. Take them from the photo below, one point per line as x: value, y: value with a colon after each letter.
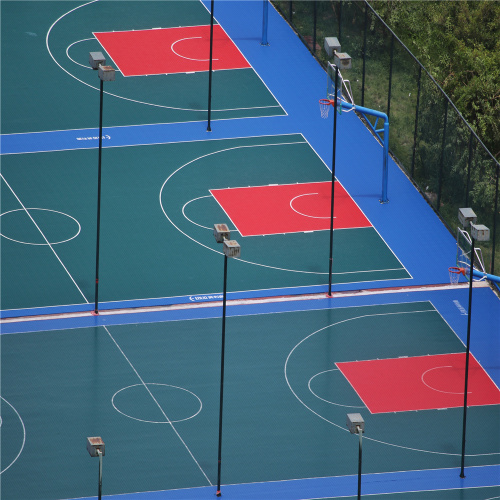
x: 24, y: 437
x: 192, y: 221
x: 153, y: 421
x: 187, y: 203
x: 345, y: 429
x: 305, y: 215
x: 242, y: 260
x: 326, y: 400
x: 126, y: 98
x: 185, y: 57
x: 42, y: 244
x: 71, y: 59
x: 433, y: 388
x: 205, y: 246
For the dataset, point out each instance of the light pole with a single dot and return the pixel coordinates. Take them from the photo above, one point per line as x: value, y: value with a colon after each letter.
x: 95, y: 447
x: 356, y: 425
x: 231, y: 249
x: 324, y: 114
x: 467, y: 219
x: 210, y: 66
x: 106, y: 74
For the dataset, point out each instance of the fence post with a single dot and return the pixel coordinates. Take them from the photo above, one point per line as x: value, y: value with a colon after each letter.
x: 314, y: 27
x: 415, y: 133
x: 441, y: 162
x: 340, y: 21
x: 469, y: 167
x: 390, y: 77
x: 364, y: 57
x: 495, y: 223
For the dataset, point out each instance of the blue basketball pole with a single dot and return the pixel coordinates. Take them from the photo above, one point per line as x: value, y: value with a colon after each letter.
x: 385, y: 140
x: 265, y: 20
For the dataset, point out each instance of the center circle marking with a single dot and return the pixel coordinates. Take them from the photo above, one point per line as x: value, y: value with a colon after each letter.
x: 43, y: 210
x: 169, y: 421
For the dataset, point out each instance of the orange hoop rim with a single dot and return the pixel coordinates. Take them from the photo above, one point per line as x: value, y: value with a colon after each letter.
x: 326, y: 102
x: 456, y: 270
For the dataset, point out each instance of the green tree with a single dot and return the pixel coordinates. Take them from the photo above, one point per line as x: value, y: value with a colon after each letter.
x: 459, y: 44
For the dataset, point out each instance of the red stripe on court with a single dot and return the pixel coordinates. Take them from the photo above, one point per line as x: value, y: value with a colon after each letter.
x: 289, y: 208
x: 419, y: 383
x: 170, y: 50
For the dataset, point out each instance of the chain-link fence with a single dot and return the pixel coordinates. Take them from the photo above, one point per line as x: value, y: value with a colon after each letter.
x: 429, y: 138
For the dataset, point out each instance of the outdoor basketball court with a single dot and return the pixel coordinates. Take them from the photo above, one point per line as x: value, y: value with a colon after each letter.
x: 158, y: 217
x: 293, y: 371
x: 145, y: 373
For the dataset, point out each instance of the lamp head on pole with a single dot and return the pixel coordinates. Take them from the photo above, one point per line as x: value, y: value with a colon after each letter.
x: 479, y: 232
x: 95, y: 446
x: 355, y: 423
x: 466, y: 216
x: 96, y: 59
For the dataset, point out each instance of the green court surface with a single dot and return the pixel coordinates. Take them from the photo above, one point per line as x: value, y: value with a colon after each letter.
x: 151, y: 390
x: 157, y: 218
x: 51, y: 41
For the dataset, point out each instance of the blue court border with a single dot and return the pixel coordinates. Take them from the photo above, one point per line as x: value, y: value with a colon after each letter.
x: 336, y: 487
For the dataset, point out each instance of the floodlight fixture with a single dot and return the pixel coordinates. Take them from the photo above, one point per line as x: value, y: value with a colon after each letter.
x: 479, y: 232
x: 355, y: 423
x: 221, y: 232
x: 96, y: 59
x: 106, y: 73
x: 95, y: 447
x: 466, y: 216
x: 231, y: 248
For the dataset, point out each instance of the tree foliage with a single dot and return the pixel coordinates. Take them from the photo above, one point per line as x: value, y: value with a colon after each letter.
x: 458, y: 42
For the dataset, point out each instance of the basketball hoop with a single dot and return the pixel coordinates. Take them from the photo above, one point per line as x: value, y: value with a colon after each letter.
x: 324, y: 107
x: 455, y: 273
